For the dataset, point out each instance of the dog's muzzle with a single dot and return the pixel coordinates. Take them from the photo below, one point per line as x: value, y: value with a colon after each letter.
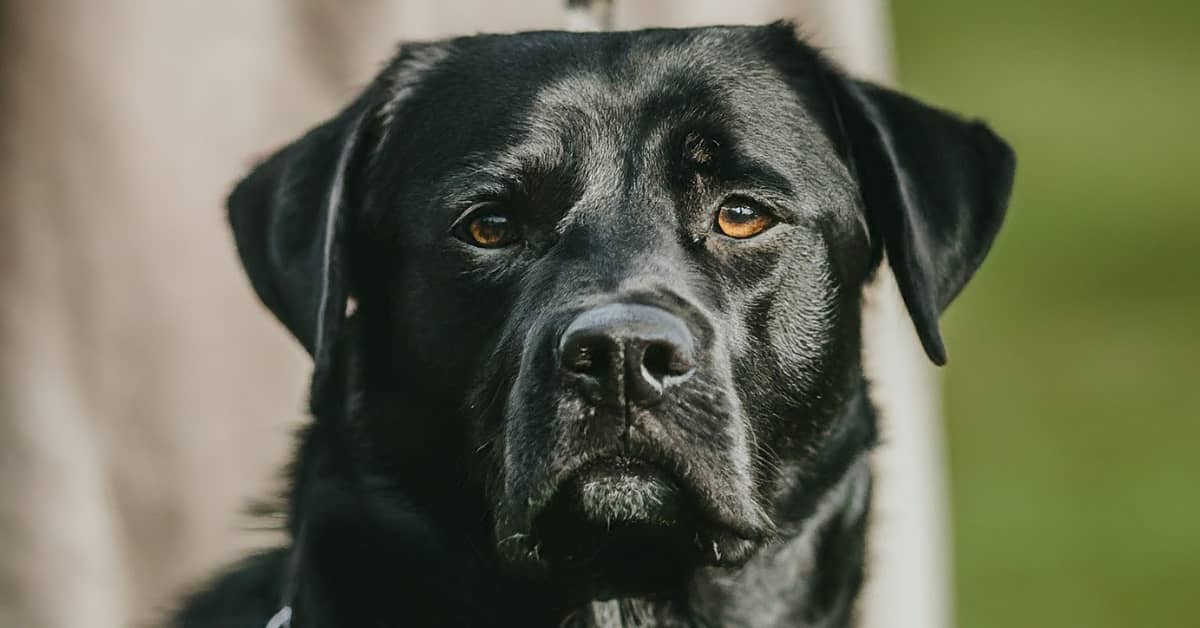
x: 630, y: 442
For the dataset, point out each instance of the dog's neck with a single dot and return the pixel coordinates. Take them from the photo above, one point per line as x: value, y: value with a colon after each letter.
x: 810, y: 579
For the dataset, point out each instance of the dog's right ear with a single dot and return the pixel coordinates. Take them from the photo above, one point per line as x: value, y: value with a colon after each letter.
x: 288, y: 218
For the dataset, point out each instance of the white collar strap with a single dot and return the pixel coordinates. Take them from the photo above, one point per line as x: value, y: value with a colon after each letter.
x: 282, y: 619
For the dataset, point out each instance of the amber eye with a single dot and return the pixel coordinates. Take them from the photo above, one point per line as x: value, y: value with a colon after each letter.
x: 489, y: 230
x: 741, y: 219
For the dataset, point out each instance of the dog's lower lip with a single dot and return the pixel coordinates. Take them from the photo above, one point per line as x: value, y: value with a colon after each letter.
x: 617, y: 490
x: 629, y: 490
x: 690, y: 507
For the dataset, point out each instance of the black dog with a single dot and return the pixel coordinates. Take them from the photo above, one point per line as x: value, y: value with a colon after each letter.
x: 604, y: 365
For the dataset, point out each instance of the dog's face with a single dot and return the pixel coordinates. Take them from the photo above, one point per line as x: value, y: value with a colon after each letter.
x: 615, y: 279
x: 637, y: 278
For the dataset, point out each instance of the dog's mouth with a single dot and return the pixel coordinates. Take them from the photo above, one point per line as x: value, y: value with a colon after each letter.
x: 629, y: 525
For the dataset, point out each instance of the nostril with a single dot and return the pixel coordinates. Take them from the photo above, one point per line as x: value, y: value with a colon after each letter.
x: 581, y: 361
x: 664, y: 359
x: 586, y: 355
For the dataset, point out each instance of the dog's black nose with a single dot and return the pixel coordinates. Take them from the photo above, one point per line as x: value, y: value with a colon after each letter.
x: 645, y: 348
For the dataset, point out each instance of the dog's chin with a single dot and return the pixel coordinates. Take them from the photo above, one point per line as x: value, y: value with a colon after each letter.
x: 625, y: 491
x: 628, y: 528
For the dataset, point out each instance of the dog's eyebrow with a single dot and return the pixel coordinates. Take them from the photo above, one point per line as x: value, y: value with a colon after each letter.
x: 736, y: 170
x: 761, y: 174
x: 732, y: 162
x: 487, y: 178
x: 475, y: 185
x: 483, y: 175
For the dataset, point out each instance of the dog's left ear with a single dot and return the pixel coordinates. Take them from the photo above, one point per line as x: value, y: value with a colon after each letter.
x: 288, y: 217
x: 935, y: 188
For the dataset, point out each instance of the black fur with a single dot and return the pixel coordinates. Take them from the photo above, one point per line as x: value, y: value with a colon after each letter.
x: 439, y: 482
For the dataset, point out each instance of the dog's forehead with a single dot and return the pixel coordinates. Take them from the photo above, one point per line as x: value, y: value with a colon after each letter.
x: 634, y: 82
x: 490, y: 105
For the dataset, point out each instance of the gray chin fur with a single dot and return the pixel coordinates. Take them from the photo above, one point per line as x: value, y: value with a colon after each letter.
x: 630, y: 496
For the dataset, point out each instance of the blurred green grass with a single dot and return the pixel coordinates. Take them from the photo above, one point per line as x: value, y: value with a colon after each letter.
x: 1073, y: 417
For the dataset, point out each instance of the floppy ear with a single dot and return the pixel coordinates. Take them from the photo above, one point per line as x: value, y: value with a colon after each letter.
x: 935, y: 188
x: 288, y: 217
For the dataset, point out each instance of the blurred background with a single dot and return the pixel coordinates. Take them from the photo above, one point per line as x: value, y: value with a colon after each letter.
x: 1072, y: 412
x: 145, y: 396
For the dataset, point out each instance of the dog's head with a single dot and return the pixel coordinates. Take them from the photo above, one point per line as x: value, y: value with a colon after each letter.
x: 609, y: 285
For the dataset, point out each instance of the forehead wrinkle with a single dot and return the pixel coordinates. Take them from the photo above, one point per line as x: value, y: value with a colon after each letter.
x: 756, y: 140
x: 739, y: 92
x: 702, y: 57
x: 584, y: 110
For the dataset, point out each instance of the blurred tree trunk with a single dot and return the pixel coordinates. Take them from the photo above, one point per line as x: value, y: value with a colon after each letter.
x: 145, y: 396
